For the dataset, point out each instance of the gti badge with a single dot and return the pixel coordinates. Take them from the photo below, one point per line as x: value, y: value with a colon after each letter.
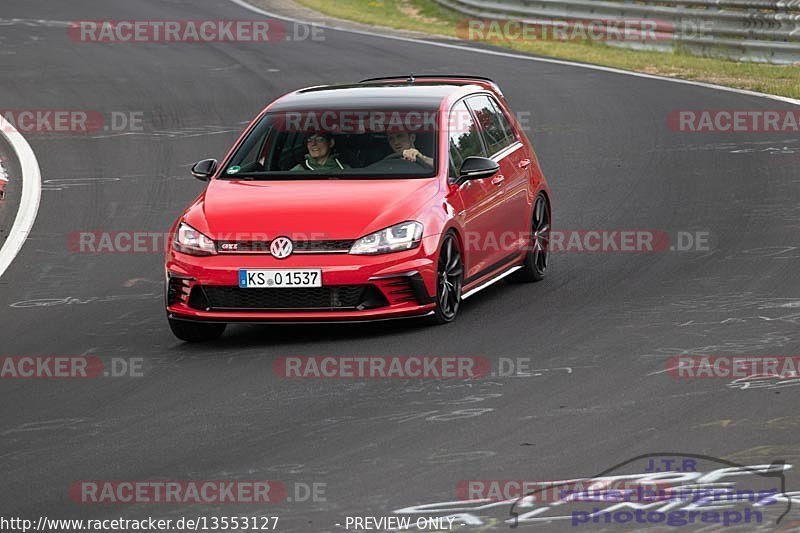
x: 281, y: 247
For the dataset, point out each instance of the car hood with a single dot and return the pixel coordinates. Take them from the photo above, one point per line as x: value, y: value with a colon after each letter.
x: 307, y: 209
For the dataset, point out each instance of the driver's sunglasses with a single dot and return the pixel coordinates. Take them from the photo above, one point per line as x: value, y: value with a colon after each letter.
x: 316, y: 139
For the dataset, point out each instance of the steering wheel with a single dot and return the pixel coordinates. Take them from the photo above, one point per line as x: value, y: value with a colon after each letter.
x: 396, y: 156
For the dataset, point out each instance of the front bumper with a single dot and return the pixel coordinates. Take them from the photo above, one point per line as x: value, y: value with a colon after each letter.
x: 355, y: 287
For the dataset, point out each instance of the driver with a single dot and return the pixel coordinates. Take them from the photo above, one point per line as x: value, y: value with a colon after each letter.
x: 402, y: 143
x: 320, y: 157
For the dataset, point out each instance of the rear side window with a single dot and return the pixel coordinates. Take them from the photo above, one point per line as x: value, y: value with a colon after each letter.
x: 464, y: 138
x: 494, y: 125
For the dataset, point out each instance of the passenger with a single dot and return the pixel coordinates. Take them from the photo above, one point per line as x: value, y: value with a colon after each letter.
x: 320, y: 157
x: 402, y: 143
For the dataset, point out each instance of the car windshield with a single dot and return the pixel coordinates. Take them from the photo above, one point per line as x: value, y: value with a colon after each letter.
x: 359, y: 144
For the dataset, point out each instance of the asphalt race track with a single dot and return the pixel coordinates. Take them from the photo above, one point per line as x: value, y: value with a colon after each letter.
x: 598, y: 331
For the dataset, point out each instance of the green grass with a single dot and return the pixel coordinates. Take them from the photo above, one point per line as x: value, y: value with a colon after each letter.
x: 427, y: 16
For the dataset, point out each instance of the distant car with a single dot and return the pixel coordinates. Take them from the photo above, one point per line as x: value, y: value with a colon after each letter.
x: 389, y: 198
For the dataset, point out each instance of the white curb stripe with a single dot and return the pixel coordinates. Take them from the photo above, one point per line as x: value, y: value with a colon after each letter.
x: 793, y: 101
x: 31, y: 194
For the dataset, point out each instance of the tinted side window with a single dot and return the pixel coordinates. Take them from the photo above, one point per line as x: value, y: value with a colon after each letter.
x: 512, y: 137
x: 464, y: 138
x: 494, y: 124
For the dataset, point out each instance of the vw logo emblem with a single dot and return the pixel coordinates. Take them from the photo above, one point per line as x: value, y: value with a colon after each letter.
x: 281, y: 247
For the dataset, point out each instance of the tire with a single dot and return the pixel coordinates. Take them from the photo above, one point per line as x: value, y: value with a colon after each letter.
x: 196, y: 331
x: 449, y: 280
x: 535, y: 264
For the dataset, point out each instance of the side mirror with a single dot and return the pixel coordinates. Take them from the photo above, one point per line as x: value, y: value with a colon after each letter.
x: 203, y: 170
x: 475, y: 168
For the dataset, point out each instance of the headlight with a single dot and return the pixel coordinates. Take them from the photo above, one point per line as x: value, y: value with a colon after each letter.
x: 190, y: 241
x: 403, y: 236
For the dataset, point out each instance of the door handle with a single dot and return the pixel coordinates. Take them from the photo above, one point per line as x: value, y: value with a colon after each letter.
x: 497, y: 180
x: 525, y: 163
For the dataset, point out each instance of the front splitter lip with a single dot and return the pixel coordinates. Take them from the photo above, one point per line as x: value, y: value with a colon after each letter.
x: 303, y: 317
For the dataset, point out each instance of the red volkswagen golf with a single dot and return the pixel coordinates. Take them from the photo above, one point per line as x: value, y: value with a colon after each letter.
x: 389, y: 198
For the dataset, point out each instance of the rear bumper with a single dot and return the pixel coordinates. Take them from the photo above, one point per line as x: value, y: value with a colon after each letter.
x: 403, y: 281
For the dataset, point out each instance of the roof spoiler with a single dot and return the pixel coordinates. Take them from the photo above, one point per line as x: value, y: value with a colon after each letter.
x: 411, y: 78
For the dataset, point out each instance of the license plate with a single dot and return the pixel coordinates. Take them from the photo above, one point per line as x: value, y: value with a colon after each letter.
x: 275, y: 279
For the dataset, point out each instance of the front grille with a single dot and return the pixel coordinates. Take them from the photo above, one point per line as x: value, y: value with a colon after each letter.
x: 301, y: 247
x: 338, y: 297
x: 322, y: 246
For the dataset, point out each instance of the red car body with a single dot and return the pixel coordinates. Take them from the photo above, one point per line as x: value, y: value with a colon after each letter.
x: 478, y: 213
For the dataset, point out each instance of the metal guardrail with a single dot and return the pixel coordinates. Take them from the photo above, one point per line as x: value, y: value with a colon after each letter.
x: 745, y: 30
